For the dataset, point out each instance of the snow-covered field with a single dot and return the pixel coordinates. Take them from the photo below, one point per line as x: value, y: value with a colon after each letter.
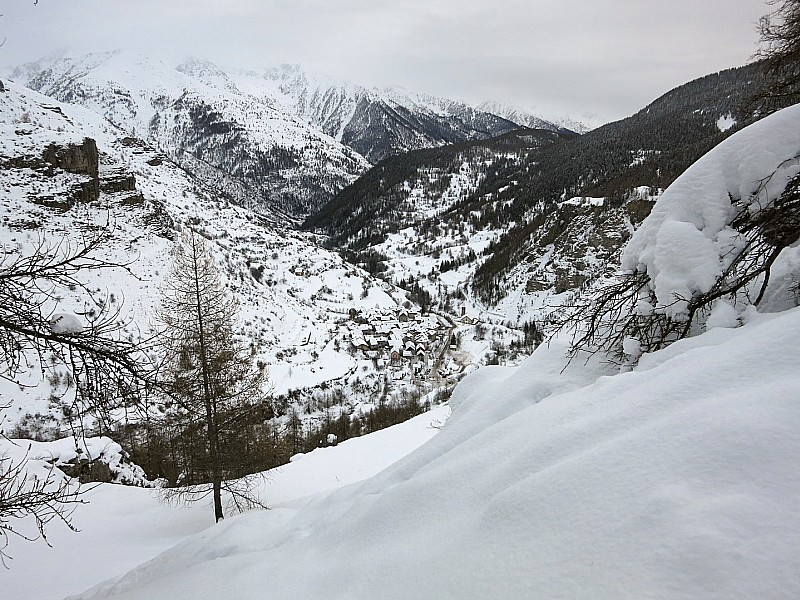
x: 122, y: 526
x: 675, y: 480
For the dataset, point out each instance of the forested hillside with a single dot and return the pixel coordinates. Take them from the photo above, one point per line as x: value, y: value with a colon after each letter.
x: 513, y: 189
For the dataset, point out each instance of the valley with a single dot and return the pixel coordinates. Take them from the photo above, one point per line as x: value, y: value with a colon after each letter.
x: 457, y: 350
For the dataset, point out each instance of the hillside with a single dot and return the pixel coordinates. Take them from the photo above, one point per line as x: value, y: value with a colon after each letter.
x: 66, y: 172
x: 277, y: 140
x: 549, y: 216
x: 247, y: 149
x: 375, y: 122
x: 122, y: 526
x: 667, y: 478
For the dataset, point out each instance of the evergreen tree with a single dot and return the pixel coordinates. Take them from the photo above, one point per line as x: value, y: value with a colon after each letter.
x: 215, y: 392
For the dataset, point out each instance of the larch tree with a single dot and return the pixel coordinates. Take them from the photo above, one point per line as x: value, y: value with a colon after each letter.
x: 214, y: 392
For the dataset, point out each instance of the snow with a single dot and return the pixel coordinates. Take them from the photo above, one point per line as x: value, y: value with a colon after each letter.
x: 686, y: 242
x: 725, y: 122
x: 123, y: 526
x: 69, y: 449
x: 292, y: 314
x: 65, y: 323
x: 675, y: 480
x: 583, y: 201
x: 722, y: 315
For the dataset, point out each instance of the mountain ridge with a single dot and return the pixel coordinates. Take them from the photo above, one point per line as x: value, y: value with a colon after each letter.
x: 545, y: 216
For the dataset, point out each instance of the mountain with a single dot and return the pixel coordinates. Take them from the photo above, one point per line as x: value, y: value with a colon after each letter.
x: 249, y: 149
x: 382, y: 122
x: 525, y: 118
x: 278, y: 140
x: 665, y: 477
x: 542, y: 220
x: 66, y: 171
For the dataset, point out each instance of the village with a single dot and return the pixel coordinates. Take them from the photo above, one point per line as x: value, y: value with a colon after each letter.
x: 403, y: 339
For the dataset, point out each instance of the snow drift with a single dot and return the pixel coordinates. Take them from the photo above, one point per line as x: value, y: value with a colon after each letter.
x: 688, y: 241
x: 678, y: 479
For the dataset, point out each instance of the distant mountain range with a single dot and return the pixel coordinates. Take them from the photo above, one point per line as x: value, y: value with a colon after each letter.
x: 383, y: 122
x: 278, y: 140
x: 297, y: 147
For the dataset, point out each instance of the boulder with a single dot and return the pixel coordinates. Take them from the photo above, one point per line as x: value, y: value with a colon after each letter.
x: 88, y: 471
x: 81, y: 159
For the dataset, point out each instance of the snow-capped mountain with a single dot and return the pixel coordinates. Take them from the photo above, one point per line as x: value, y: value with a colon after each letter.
x: 378, y: 122
x: 524, y: 117
x: 247, y: 148
x: 580, y: 124
x: 66, y: 170
x: 276, y: 140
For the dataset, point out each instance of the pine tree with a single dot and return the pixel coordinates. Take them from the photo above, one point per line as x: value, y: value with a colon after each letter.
x: 215, y: 392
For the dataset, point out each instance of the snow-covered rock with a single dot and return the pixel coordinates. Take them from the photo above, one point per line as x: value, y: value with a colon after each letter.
x: 76, y: 456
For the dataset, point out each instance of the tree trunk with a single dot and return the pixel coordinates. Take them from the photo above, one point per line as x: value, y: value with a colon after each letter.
x: 211, y: 421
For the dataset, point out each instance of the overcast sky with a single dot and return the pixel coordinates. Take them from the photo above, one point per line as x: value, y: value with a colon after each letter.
x: 607, y: 58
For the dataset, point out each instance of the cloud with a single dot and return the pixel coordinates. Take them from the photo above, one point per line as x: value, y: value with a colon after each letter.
x: 608, y: 57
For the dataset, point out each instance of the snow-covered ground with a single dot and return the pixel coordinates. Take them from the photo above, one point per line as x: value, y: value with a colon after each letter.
x: 122, y: 526
x: 675, y: 480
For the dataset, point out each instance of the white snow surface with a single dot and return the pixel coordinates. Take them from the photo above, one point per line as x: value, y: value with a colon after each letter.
x: 725, y: 122
x: 66, y: 323
x: 686, y: 242
x: 122, y: 526
x: 678, y: 479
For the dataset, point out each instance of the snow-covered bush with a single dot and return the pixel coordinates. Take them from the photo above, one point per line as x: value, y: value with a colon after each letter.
x: 722, y: 238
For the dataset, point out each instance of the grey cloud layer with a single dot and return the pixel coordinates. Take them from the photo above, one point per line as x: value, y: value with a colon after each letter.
x: 569, y: 56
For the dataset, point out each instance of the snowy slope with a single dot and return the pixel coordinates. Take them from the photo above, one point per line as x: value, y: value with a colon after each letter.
x: 676, y: 480
x: 196, y: 115
x: 747, y: 173
x: 122, y: 526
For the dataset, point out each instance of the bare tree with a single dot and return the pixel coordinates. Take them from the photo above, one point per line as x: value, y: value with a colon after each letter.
x: 26, y: 496
x: 780, y: 39
x: 214, y: 390
x: 610, y: 312
x: 36, y: 338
